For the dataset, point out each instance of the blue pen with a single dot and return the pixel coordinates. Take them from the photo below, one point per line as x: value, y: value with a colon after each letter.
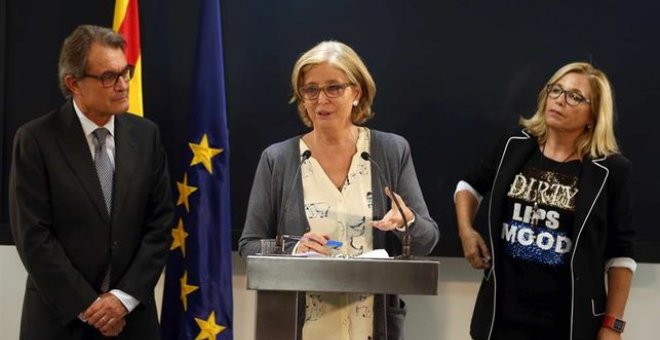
x: 329, y: 243
x: 334, y: 244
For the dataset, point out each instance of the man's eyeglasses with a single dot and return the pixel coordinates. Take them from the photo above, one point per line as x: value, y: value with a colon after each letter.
x: 110, y: 79
x: 311, y: 92
x: 573, y: 98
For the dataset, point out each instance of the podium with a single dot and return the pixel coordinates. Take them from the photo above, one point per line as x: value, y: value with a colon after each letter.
x: 279, y: 279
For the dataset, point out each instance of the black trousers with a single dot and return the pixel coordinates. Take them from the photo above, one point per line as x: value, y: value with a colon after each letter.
x: 516, y: 331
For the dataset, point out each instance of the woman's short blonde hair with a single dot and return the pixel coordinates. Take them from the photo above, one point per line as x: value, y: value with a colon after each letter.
x: 345, y: 59
x: 598, y: 138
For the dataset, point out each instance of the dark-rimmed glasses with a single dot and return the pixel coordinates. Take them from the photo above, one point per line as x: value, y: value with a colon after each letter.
x: 110, y: 79
x: 311, y: 92
x: 573, y: 98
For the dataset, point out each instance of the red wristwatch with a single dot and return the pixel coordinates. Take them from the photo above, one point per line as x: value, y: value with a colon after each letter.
x: 612, y: 322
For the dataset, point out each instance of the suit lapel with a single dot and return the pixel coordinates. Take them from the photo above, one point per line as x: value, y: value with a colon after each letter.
x: 592, y: 179
x: 75, y: 150
x: 126, y: 155
x: 516, y: 153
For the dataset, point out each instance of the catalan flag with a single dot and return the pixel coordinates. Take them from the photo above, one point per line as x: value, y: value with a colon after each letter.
x: 127, y: 23
x: 197, y: 302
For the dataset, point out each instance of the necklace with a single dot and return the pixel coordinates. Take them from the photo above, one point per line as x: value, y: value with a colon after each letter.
x: 536, y: 215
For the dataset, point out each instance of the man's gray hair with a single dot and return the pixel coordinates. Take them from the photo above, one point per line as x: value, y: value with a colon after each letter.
x: 75, y: 50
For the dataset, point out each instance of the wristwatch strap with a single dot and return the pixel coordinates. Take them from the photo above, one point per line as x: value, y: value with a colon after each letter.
x: 612, y: 322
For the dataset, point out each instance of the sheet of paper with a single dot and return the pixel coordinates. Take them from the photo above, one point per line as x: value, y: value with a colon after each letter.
x: 375, y: 254
x: 309, y: 254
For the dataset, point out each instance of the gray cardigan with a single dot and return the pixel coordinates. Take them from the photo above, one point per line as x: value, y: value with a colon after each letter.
x: 276, y: 176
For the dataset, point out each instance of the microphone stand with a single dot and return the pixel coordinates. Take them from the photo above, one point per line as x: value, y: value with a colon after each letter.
x: 405, y: 240
x: 279, y: 245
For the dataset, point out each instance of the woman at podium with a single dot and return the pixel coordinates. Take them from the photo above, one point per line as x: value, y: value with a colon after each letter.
x: 330, y: 184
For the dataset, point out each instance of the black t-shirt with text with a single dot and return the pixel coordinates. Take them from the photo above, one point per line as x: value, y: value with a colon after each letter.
x: 536, y: 243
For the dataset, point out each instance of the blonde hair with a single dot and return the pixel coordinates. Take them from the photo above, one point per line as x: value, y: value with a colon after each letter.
x: 597, y: 140
x: 345, y: 59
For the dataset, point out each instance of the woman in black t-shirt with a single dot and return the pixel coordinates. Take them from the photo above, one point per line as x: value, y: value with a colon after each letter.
x: 559, y: 219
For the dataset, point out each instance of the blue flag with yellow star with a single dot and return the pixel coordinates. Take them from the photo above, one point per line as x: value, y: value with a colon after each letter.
x: 197, y: 302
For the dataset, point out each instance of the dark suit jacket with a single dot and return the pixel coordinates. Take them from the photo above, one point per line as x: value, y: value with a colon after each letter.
x: 602, y: 230
x: 64, y: 235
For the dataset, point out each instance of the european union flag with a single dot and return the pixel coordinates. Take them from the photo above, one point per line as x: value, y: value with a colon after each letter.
x: 197, y: 302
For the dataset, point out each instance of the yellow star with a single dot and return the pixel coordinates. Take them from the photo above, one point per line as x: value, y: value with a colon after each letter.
x: 179, y: 238
x: 203, y: 153
x: 184, y: 192
x: 208, y: 328
x: 186, y: 289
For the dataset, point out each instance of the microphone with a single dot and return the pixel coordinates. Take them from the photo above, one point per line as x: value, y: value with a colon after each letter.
x: 405, y: 251
x: 279, y: 239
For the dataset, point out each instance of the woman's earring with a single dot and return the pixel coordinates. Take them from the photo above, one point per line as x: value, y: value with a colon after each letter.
x: 355, y: 103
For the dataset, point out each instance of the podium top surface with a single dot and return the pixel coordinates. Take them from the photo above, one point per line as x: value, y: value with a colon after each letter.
x: 356, y: 275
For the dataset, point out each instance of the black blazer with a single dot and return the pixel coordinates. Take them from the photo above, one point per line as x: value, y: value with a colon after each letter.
x: 64, y: 235
x: 603, y: 230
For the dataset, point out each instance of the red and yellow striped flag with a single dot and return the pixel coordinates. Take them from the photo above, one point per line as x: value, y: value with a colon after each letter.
x: 127, y: 23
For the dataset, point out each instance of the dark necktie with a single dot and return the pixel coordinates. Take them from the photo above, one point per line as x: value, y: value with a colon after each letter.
x: 106, y: 173
x: 104, y: 167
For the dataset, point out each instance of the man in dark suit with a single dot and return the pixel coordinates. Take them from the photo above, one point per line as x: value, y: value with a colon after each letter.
x: 90, y: 202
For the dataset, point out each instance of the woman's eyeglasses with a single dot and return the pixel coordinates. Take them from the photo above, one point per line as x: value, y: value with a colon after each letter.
x: 573, y: 98
x: 312, y: 92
